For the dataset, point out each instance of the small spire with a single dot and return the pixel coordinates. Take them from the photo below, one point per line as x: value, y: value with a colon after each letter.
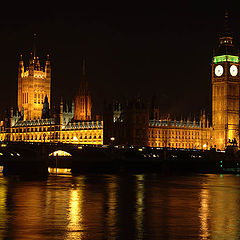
x: 37, y: 64
x: 227, y: 30
x: 21, y: 61
x: 34, y: 45
x: 47, y: 65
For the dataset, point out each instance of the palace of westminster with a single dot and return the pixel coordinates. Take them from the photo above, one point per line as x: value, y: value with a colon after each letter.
x: 133, y: 123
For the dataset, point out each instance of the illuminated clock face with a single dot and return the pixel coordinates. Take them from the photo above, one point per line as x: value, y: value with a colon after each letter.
x: 233, y: 70
x: 218, y: 70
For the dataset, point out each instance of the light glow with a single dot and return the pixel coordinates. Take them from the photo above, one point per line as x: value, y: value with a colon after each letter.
x: 65, y: 171
x: 60, y: 153
x: 75, y: 138
x: 226, y: 58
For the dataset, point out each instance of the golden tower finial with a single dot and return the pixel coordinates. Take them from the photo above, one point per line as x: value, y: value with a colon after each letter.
x: 226, y: 23
x: 34, y: 45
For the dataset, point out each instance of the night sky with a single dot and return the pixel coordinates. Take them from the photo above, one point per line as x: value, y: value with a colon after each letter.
x: 132, y: 49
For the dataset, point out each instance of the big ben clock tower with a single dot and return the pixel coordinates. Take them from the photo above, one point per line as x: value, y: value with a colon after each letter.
x: 225, y: 91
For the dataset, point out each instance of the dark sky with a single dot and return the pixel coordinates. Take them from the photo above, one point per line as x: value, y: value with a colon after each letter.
x: 131, y: 49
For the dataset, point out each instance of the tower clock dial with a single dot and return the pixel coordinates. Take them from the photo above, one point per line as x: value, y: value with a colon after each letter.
x: 233, y: 70
x: 218, y: 70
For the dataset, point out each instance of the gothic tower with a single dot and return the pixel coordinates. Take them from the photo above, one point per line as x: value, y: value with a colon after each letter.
x: 34, y: 84
x: 83, y: 104
x: 225, y: 90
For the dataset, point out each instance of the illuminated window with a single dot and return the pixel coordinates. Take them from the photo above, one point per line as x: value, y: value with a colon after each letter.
x: 60, y: 153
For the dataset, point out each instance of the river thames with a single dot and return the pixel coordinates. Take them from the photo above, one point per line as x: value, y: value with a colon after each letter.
x: 124, y: 206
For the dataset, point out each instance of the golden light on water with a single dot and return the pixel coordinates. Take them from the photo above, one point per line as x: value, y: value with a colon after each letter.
x: 112, y: 207
x: 219, y: 208
x: 204, y: 212
x: 60, y: 171
x: 139, y: 205
x: 75, y: 226
x: 3, y: 213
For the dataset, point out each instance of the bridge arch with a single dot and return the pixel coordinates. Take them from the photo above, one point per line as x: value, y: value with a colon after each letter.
x: 60, y: 153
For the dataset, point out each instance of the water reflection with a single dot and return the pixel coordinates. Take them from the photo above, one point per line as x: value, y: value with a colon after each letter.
x: 139, y: 206
x: 121, y: 207
x: 76, y: 226
x: 3, y: 209
x: 204, y: 212
x: 220, y: 209
x: 111, y: 214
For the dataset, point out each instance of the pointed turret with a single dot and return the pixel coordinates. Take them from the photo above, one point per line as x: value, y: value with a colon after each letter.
x: 31, y: 64
x: 45, y: 110
x: 20, y: 67
x: 37, y: 64
x: 48, y: 77
x: 20, y: 76
x: 225, y: 45
x: 48, y: 68
x: 34, y: 45
x: 61, y: 113
x: 83, y: 104
x: 204, y: 119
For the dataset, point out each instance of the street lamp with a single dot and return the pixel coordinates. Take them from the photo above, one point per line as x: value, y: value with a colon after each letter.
x: 112, y: 139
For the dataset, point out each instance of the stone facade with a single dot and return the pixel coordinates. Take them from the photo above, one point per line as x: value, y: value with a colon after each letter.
x: 34, y: 84
x: 225, y: 91
x: 32, y: 122
x: 179, y: 134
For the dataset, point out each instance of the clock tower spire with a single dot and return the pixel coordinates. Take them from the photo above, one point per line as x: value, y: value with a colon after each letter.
x: 225, y: 90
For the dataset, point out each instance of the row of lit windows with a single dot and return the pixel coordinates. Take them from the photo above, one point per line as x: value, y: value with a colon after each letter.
x: 165, y: 132
x: 81, y: 137
x: 40, y: 129
x: 178, y: 137
x: 53, y: 137
x: 174, y: 145
x: 31, y: 137
x: 177, y: 132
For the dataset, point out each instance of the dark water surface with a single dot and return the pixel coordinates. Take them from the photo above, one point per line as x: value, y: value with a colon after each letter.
x: 98, y: 207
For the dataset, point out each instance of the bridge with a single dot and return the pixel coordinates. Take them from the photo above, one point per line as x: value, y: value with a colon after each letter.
x: 37, y: 158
